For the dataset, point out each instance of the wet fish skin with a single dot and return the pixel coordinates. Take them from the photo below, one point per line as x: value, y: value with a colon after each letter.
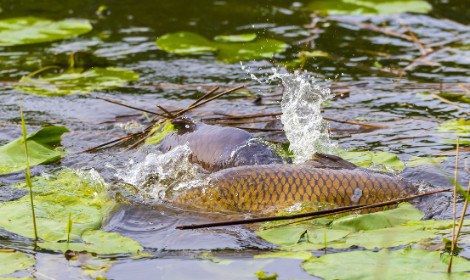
x: 256, y: 188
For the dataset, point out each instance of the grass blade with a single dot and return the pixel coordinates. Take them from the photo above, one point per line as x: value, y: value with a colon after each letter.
x: 28, y: 172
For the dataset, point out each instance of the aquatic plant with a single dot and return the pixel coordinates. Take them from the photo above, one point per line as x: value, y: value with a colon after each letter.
x: 28, y: 173
x: 229, y: 48
x: 75, y: 80
x: 32, y: 30
x: 41, y: 149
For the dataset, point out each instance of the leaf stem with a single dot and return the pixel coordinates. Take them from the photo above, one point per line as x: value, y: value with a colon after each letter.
x: 28, y: 172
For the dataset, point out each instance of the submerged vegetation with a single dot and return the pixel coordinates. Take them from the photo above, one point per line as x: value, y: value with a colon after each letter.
x: 399, y: 104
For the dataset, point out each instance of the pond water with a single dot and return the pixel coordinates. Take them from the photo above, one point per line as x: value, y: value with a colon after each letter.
x: 387, y: 80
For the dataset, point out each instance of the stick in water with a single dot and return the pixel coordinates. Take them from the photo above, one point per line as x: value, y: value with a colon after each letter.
x: 316, y: 214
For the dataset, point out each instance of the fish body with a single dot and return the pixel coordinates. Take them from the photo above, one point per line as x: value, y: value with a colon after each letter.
x: 260, y: 187
x: 216, y: 147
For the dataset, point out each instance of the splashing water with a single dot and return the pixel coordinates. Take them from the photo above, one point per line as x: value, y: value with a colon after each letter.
x: 159, y: 176
x: 304, y: 125
x: 301, y: 116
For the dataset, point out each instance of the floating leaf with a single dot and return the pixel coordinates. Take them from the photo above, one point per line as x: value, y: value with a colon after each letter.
x: 261, y: 275
x: 13, y: 261
x: 460, y: 127
x: 229, y: 48
x: 159, y: 132
x: 399, y: 264
x: 185, y: 43
x: 55, y: 197
x: 40, y: 147
x: 100, y: 242
x: 283, y: 235
x: 236, y: 38
x: 261, y: 48
x: 418, y: 161
x: 360, y: 7
x: 31, y: 30
x: 76, y: 80
x: 400, y: 226
x: 455, y: 97
x: 306, y: 54
x: 384, y: 219
x: 374, y: 160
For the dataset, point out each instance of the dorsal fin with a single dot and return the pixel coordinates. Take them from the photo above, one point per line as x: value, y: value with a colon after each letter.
x: 320, y: 160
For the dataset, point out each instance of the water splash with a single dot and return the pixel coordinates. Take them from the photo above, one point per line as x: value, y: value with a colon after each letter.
x: 304, y: 125
x: 159, y: 176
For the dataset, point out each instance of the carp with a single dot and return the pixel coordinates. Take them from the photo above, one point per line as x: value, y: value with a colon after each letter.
x: 326, y: 179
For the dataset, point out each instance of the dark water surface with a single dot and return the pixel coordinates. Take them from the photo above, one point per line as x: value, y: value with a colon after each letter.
x: 126, y: 38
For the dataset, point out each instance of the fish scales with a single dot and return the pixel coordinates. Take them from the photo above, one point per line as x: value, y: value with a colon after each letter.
x: 256, y: 188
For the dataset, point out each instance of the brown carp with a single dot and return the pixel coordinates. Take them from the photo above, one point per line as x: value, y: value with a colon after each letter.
x: 217, y: 147
x: 260, y: 187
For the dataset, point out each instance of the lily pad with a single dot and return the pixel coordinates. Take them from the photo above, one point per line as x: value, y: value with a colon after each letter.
x: 77, y: 80
x: 40, y: 147
x: 185, y: 43
x: 361, y: 7
x: 382, y: 161
x: 400, y: 226
x: 455, y: 97
x: 399, y: 264
x: 236, y: 38
x: 100, y: 242
x: 418, y: 161
x: 14, y: 261
x: 229, y: 48
x: 31, y: 30
x: 82, y: 195
x: 384, y: 219
x: 460, y: 127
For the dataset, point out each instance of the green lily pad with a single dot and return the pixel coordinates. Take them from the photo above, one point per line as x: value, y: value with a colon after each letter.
x: 460, y: 127
x: 261, y: 275
x: 236, y: 38
x: 229, y: 48
x: 384, y: 219
x: 100, y: 242
x: 82, y: 195
x: 40, y: 148
x: 11, y: 262
x: 283, y: 235
x: 77, y: 80
x: 418, y: 161
x: 382, y: 161
x: 455, y: 97
x: 399, y: 264
x: 31, y: 30
x: 361, y: 7
x: 400, y: 226
x: 185, y: 43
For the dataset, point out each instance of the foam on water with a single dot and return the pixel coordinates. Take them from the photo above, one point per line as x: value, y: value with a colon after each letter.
x: 159, y: 176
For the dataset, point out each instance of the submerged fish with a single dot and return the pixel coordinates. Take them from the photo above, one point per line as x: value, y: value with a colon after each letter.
x: 217, y: 147
x: 329, y: 179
